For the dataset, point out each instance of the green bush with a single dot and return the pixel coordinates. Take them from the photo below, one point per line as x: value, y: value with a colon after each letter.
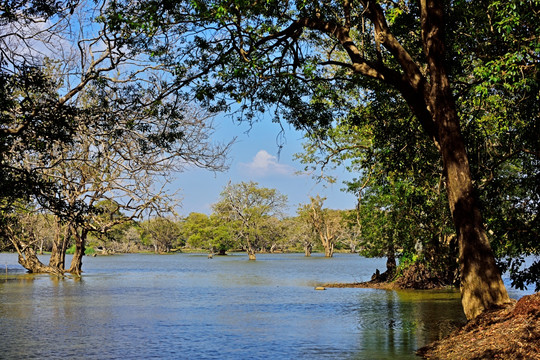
x: 71, y: 250
x: 88, y: 251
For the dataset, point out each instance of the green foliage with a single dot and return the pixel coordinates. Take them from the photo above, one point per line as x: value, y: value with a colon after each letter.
x: 32, y: 123
x: 208, y: 232
x: 299, y: 235
x: 498, y: 92
x: 71, y: 250
x: 401, y: 197
x: 163, y: 233
x: 88, y: 251
x: 248, y: 209
x: 13, y: 10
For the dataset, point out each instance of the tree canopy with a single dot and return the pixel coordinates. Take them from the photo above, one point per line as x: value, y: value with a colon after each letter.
x: 250, y: 207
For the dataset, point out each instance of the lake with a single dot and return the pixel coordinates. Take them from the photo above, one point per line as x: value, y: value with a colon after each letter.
x: 186, y: 306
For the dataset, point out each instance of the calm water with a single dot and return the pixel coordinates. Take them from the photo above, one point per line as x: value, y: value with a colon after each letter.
x: 189, y: 307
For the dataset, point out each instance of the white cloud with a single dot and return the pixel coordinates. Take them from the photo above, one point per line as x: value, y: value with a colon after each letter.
x: 264, y: 164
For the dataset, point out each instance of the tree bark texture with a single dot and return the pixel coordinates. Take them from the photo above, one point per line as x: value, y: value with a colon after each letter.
x: 60, y: 243
x: 80, y: 247
x: 328, y: 248
x: 250, y: 249
x: 251, y: 253
x: 481, y: 283
x: 29, y: 260
x: 307, y: 249
x: 27, y: 256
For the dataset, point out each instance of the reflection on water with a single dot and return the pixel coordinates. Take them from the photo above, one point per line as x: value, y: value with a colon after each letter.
x: 186, y: 306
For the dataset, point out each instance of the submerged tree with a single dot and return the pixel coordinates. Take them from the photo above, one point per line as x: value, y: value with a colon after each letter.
x: 163, y: 233
x: 250, y: 206
x: 300, y: 232
x: 208, y: 232
x: 326, y: 223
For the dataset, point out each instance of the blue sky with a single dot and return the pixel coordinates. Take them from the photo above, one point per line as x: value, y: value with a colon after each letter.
x: 255, y: 156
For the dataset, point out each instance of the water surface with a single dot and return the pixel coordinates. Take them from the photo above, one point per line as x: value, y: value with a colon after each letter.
x: 186, y: 306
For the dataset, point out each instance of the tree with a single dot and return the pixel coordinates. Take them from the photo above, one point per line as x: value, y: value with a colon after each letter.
x: 299, y: 231
x: 208, y: 232
x: 249, y: 206
x: 163, y: 233
x: 272, y: 234
x: 326, y: 223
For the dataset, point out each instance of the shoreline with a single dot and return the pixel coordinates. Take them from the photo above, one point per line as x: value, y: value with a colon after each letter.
x: 383, y: 285
x: 509, y: 332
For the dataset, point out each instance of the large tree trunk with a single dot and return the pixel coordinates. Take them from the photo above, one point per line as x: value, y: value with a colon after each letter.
x: 328, y: 243
x: 308, y: 247
x: 250, y: 249
x: 328, y: 249
x: 80, y: 247
x: 60, y: 243
x: 27, y: 255
x: 481, y: 283
x: 29, y: 260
